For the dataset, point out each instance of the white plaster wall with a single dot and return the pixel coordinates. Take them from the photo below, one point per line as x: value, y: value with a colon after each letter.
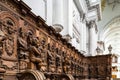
x: 83, y: 5
x: 70, y: 17
x: 43, y: 8
x: 58, y: 12
x: 80, y: 29
x: 84, y: 37
x: 76, y: 17
x: 87, y: 40
x: 80, y: 25
x: 49, y: 12
x: 93, y: 41
x: 37, y: 6
x: 65, y: 16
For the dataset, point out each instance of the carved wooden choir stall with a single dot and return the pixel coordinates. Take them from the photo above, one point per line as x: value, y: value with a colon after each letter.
x: 32, y: 50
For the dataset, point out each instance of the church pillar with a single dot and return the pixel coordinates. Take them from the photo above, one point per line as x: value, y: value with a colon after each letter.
x: 92, y: 38
x: 67, y: 32
x: 58, y: 15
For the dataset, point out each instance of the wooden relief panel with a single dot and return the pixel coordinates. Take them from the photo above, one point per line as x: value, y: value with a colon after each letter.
x: 22, y: 45
x: 33, y: 44
x: 68, y: 63
x: 58, y: 60
x: 8, y: 31
x: 52, y: 55
x: 42, y: 47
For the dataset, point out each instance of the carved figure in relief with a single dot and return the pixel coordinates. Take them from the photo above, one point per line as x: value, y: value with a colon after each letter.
x: 31, y: 42
x: 37, y: 50
x: 42, y: 50
x: 109, y: 70
x: 66, y: 62
x: 9, y: 44
x: 2, y: 39
x: 51, y: 56
x: 22, y: 50
x: 9, y: 29
x: 91, y: 70
x: 9, y: 26
x: 101, y: 70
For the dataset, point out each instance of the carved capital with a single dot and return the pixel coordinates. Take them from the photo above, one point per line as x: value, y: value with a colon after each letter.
x: 92, y: 24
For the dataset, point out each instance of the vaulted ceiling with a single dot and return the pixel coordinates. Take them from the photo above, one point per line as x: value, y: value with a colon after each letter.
x: 109, y: 26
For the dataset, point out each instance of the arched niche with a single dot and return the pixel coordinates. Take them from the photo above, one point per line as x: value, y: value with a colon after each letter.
x: 6, y: 14
x: 8, y: 28
x: 31, y: 75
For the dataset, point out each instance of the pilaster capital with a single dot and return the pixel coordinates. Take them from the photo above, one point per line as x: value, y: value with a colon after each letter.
x: 92, y: 24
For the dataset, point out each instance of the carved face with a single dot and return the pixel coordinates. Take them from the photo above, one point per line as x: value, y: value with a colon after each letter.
x: 43, y: 42
x: 9, y: 26
x: 30, y: 32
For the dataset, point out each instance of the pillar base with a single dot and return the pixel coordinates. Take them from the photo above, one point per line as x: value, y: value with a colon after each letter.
x: 67, y: 37
x: 58, y: 27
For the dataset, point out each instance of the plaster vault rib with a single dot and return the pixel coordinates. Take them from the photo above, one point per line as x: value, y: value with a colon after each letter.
x: 111, y: 34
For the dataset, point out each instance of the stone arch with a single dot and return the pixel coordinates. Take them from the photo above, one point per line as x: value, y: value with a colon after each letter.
x: 32, y: 75
x: 106, y: 27
x: 6, y: 14
x: 70, y: 77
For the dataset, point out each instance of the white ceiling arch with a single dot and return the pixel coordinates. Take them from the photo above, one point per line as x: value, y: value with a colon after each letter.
x: 111, y: 35
x: 112, y: 32
x: 112, y: 24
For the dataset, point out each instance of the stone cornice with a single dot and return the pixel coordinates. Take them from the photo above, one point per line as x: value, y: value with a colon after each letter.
x: 97, y: 7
